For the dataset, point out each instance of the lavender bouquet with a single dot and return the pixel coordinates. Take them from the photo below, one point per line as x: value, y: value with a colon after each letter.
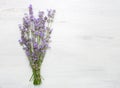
x: 35, y: 38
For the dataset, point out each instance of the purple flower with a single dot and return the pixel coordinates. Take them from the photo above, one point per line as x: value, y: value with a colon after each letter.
x: 20, y: 26
x: 41, y: 25
x: 25, y: 48
x: 35, y: 59
x: 41, y: 13
x: 20, y: 41
x: 51, y: 13
x: 32, y: 18
x: 27, y: 53
x: 30, y: 10
x: 45, y: 18
x: 35, y: 45
x: 41, y: 34
x: 41, y: 47
x: 26, y: 22
x: 36, y: 33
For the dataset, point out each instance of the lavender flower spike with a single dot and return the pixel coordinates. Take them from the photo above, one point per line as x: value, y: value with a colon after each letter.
x: 30, y: 10
x: 35, y: 39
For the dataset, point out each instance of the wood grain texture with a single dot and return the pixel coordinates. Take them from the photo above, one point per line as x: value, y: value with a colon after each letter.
x: 85, y: 48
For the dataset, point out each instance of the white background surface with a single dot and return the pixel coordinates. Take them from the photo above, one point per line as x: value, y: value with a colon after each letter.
x: 85, y: 44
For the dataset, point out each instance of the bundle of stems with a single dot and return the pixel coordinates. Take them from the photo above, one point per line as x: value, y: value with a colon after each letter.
x: 35, y: 39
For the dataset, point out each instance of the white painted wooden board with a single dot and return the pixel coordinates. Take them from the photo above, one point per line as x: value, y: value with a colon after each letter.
x: 85, y: 48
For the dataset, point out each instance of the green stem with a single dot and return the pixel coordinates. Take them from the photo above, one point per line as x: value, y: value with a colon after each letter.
x: 37, y: 77
x: 31, y: 77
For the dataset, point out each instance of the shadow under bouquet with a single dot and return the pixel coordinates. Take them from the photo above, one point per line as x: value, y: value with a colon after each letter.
x: 35, y: 38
